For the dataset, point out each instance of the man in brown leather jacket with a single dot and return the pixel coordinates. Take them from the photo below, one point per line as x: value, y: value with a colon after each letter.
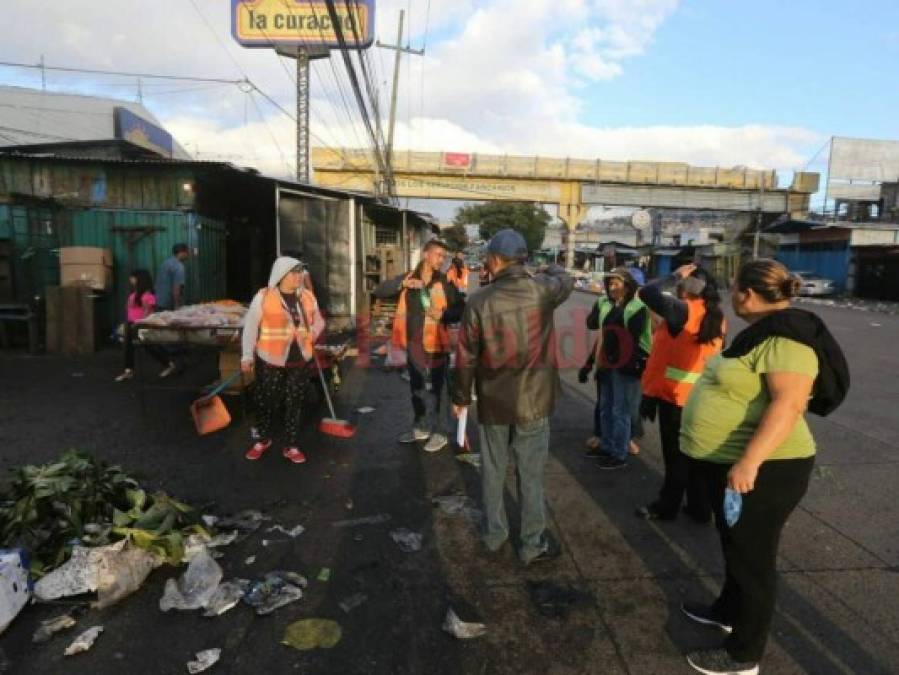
x: 507, y: 352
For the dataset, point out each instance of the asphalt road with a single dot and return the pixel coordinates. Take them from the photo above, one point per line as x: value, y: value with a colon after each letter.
x: 839, y: 562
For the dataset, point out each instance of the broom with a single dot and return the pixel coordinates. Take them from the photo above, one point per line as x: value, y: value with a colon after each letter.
x: 330, y: 426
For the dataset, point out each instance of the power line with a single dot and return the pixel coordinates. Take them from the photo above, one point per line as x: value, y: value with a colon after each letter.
x: 119, y: 73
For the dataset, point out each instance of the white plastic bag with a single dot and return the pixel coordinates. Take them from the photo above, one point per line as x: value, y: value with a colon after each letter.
x: 14, y: 589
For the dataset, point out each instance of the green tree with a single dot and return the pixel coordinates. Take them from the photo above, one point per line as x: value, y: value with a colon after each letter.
x: 456, y: 237
x: 526, y: 217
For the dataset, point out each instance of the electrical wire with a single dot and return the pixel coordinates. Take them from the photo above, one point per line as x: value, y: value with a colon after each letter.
x: 93, y: 71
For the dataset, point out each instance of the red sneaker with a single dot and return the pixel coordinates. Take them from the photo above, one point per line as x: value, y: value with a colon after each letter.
x: 258, y: 449
x: 295, y: 455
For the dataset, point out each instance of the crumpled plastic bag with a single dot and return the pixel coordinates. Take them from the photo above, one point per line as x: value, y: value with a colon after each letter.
x: 114, y: 571
x: 204, y: 660
x: 51, y: 627
x: 84, y: 641
x: 196, y: 586
x: 312, y: 633
x: 226, y: 596
x: 462, y: 630
x: 407, y: 540
x: 274, y: 591
x: 14, y: 587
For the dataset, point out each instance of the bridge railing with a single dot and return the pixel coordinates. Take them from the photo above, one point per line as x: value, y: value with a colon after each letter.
x: 549, y: 168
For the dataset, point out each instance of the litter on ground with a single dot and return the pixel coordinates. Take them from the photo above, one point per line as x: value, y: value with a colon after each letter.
x: 84, y: 641
x: 365, y: 410
x: 226, y: 596
x: 462, y: 629
x: 275, y: 590
x: 324, y: 574
x: 292, y: 532
x: 350, y: 603
x: 204, y: 660
x: 367, y: 520
x: 407, y: 540
x: 312, y: 634
x: 51, y: 627
x: 196, y: 586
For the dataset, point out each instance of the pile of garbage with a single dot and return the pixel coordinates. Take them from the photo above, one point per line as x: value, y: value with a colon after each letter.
x: 51, y: 510
x: 219, y: 314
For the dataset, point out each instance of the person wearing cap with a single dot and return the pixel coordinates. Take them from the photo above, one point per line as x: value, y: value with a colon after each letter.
x: 506, y: 353
x: 691, y: 331
x: 279, y: 334
x: 426, y: 303
x: 624, y: 343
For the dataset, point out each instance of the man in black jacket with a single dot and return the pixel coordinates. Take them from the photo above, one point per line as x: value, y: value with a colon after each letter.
x: 427, y: 302
x: 507, y: 352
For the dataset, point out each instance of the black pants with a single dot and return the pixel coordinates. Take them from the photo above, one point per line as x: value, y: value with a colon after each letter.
x: 427, y: 417
x: 276, y: 388
x: 155, y: 351
x: 750, y: 548
x: 680, y: 479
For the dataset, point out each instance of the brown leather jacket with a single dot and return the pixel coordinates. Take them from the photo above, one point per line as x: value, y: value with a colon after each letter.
x: 507, y: 346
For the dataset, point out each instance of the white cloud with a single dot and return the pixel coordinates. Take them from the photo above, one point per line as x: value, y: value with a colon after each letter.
x: 499, y: 76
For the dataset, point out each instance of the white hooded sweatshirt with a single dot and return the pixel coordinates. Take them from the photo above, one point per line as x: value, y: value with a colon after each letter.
x: 251, y: 321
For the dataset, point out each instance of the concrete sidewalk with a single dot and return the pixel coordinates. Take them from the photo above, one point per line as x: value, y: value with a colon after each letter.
x: 839, y: 582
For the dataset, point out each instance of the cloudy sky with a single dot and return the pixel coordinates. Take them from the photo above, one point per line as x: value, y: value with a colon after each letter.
x: 763, y: 83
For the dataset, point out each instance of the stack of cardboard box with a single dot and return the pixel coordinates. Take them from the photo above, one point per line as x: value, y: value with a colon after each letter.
x: 85, y: 266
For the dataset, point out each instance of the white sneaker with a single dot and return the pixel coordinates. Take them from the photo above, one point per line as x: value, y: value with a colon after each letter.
x: 436, y: 442
x: 126, y: 375
x: 415, y: 436
x: 168, y: 370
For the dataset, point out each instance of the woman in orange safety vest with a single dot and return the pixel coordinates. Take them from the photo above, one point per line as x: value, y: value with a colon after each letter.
x: 279, y: 334
x: 692, y: 330
x: 457, y: 274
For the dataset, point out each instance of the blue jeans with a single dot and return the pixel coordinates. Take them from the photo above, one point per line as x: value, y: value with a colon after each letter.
x: 636, y: 420
x: 529, y: 444
x: 620, y: 398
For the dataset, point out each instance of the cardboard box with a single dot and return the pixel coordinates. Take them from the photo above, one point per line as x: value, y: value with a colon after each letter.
x: 85, y: 255
x: 98, y: 277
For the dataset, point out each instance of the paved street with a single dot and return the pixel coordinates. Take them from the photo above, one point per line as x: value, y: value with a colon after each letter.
x: 839, y: 564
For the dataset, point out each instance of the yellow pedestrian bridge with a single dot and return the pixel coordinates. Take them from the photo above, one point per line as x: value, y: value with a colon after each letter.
x: 572, y: 184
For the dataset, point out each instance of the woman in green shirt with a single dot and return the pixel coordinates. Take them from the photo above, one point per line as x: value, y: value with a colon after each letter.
x: 744, y: 429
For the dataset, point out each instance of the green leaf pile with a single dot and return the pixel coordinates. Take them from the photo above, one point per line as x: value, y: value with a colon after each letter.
x: 76, y: 499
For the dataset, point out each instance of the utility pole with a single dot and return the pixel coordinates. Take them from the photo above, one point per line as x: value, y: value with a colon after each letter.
x: 303, y: 55
x: 302, y: 115
x: 400, y: 50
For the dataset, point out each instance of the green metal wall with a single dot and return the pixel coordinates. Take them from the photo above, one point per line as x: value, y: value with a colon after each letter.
x: 144, y: 239
x: 33, y: 232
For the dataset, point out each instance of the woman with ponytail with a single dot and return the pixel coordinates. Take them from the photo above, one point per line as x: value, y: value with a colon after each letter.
x: 692, y: 329
x: 745, y: 432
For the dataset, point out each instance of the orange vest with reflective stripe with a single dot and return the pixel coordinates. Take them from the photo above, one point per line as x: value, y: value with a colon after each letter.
x: 676, y: 363
x: 458, y: 279
x: 435, y: 337
x: 277, y: 331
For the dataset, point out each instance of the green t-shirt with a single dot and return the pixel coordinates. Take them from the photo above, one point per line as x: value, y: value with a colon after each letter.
x: 727, y: 403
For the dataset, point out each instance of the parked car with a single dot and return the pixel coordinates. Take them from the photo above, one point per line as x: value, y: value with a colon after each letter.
x: 815, y: 284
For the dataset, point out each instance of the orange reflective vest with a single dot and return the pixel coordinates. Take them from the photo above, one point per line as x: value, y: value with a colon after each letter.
x: 457, y: 278
x: 435, y: 337
x: 676, y: 363
x: 277, y: 330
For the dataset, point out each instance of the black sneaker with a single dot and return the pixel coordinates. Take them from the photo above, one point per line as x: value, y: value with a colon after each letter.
x: 719, y: 662
x: 595, y: 452
x: 703, y: 614
x: 550, y: 553
x: 652, y: 512
x: 608, y: 463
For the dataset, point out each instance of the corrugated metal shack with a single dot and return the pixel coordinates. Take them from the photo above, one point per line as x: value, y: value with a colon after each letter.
x: 234, y: 220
